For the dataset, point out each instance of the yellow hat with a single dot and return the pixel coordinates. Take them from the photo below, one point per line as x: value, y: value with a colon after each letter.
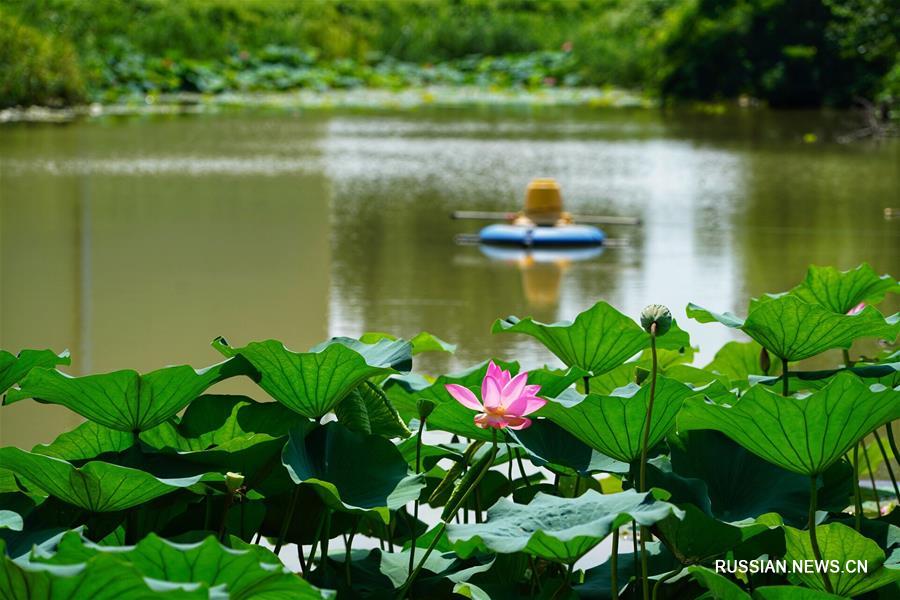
x: 542, y: 196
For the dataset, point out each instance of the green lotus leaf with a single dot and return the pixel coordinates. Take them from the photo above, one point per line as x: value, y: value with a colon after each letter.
x: 787, y: 592
x: 312, y: 383
x: 249, y: 572
x: 125, y: 400
x: 395, y: 566
x: 549, y: 445
x: 738, y: 361
x: 613, y: 424
x: 839, y: 291
x: 598, y: 340
x: 721, y: 588
x: 421, y: 342
x: 378, y: 574
x: 470, y: 590
x: 792, y: 329
x: 740, y: 485
x: 803, y: 435
x: 611, y: 380
x: 14, y: 367
x: 842, y: 544
x: 104, y: 578
x: 554, y: 528
x: 11, y: 520
x: 697, y: 537
x: 368, y: 409
x: 88, y: 440
x: 216, y: 435
x: 214, y: 420
x: 96, y: 487
x: 8, y: 482
x: 351, y: 471
x: 887, y: 374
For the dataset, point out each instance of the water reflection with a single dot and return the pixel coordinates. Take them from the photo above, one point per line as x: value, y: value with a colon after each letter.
x: 542, y: 269
x: 134, y: 242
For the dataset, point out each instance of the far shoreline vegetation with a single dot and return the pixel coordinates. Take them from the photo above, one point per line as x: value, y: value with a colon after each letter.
x: 778, y: 53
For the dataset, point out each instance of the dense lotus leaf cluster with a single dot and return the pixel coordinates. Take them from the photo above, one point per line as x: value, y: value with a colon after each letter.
x: 169, y: 490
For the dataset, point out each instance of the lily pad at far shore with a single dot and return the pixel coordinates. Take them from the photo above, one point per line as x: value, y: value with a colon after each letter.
x: 557, y: 529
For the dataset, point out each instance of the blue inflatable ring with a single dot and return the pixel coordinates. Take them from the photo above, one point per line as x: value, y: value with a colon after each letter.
x: 521, y: 235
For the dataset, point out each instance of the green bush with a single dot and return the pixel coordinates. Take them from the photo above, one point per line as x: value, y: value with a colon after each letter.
x: 785, y: 52
x: 36, y: 68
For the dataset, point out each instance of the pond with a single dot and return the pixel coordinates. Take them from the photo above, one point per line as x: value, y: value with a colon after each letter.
x: 135, y: 241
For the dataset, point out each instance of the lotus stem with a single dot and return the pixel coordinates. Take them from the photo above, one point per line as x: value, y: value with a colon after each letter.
x: 412, y: 543
x: 587, y: 385
x: 887, y: 463
x: 241, y: 525
x: 786, y: 387
x: 301, y: 559
x: 635, y: 562
x: 872, y: 479
x: 614, y: 565
x: 522, y: 468
x: 889, y: 432
x: 662, y: 580
x: 569, y: 569
x: 207, y: 513
x: 535, y: 576
x: 389, y: 529
x: 847, y: 362
x: 228, y: 503
x: 401, y: 593
x: 315, y: 544
x: 347, y: 549
x: 131, y: 526
x: 646, y: 433
x: 285, y: 525
x: 645, y: 579
x: 813, y: 539
x: 323, y: 555
x: 857, y: 494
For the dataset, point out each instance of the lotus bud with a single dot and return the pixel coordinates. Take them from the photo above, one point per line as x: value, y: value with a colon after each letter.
x: 233, y: 481
x: 658, y: 314
x: 425, y: 408
x: 765, y: 363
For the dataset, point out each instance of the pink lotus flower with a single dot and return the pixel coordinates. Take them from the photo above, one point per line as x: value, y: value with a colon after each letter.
x: 856, y: 309
x: 506, y: 399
